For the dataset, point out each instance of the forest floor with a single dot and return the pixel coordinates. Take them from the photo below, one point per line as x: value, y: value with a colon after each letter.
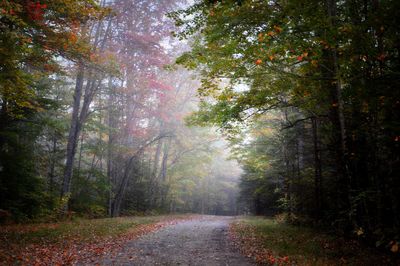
x: 179, y: 240
x: 270, y: 242
x: 80, y: 241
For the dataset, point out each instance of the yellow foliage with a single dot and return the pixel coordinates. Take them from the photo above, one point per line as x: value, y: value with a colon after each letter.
x: 314, y: 63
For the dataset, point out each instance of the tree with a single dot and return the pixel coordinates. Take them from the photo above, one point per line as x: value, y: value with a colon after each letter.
x: 328, y: 68
x: 35, y: 39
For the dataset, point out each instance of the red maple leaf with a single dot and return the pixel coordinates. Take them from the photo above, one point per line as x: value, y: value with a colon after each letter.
x: 35, y: 10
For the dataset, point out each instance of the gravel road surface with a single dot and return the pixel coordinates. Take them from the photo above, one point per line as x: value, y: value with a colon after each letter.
x: 200, y: 241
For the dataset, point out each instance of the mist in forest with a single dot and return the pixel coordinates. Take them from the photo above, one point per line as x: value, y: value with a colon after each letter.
x: 146, y: 109
x: 100, y: 123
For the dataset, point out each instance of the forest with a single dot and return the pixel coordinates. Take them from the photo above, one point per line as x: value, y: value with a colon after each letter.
x: 92, y: 121
x: 308, y: 94
x: 137, y: 107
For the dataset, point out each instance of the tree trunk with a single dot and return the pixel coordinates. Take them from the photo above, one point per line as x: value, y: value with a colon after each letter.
x: 317, y: 170
x: 338, y: 121
x: 77, y: 120
x: 110, y: 146
x: 80, y: 155
x: 164, y: 163
x: 116, y: 208
x: 163, y: 172
x: 73, y: 135
x: 336, y: 90
x: 157, y: 157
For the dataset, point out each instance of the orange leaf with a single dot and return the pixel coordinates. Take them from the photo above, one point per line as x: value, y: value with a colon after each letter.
x: 395, y: 248
x: 314, y: 62
x: 270, y: 33
x: 277, y: 29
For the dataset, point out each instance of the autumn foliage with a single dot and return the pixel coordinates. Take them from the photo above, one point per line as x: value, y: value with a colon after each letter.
x: 35, y: 10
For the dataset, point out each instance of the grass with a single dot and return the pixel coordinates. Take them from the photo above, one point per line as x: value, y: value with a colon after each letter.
x: 291, y: 240
x: 72, y: 241
x: 305, y: 246
x: 82, y: 229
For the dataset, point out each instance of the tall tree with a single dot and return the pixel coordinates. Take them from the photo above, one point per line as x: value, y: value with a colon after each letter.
x: 36, y: 39
x: 327, y: 66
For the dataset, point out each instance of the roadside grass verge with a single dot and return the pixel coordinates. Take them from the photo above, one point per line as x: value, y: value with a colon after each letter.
x: 77, y: 240
x: 81, y: 229
x: 273, y: 243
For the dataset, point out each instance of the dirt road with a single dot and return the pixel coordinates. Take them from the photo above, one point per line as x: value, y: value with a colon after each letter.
x: 200, y: 241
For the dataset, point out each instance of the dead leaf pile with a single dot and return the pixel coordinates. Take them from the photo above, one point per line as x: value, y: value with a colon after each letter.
x: 250, y: 244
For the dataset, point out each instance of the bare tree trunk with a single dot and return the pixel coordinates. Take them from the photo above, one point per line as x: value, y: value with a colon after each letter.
x: 337, y: 92
x: 116, y: 208
x: 77, y: 121
x: 317, y: 169
x: 164, y: 163
x: 73, y: 135
x: 93, y: 164
x: 120, y: 193
x: 338, y: 121
x: 154, y: 186
x: 110, y: 145
x: 287, y: 182
x: 157, y: 157
x: 163, y: 171
x: 80, y: 155
x: 80, y: 114
x: 53, y: 163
